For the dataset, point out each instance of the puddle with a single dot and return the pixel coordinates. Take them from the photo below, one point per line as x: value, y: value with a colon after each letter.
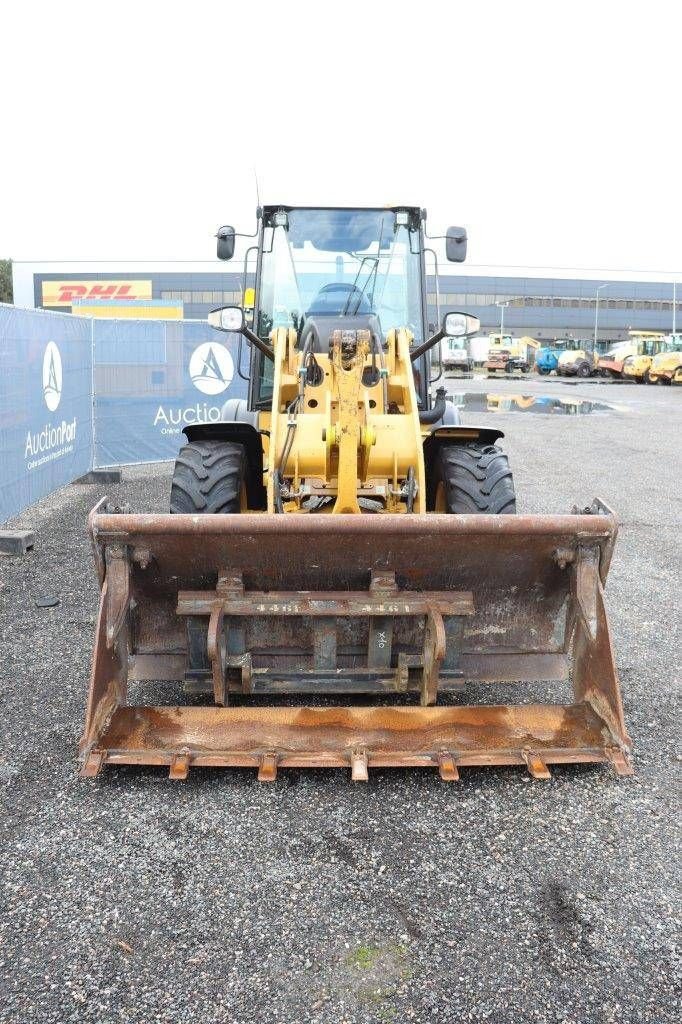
x: 473, y: 401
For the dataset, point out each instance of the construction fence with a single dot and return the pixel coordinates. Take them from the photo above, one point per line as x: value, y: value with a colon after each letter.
x: 78, y: 393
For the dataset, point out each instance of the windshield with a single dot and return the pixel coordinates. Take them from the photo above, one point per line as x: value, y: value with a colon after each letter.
x: 341, y: 263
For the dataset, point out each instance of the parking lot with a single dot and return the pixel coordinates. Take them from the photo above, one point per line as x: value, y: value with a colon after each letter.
x: 502, y: 899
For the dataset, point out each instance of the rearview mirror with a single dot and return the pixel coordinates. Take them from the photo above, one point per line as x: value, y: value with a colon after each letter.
x: 456, y: 244
x: 225, y: 238
x: 227, y: 318
x: 460, y: 325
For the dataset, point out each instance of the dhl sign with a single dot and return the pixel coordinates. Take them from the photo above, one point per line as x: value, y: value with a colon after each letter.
x: 64, y: 293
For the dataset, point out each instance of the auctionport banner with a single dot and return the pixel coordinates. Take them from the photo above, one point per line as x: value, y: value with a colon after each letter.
x: 45, y: 405
x: 78, y: 393
x: 154, y: 378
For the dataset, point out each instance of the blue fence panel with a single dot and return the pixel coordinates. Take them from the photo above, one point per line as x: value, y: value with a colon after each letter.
x: 45, y: 404
x: 152, y: 378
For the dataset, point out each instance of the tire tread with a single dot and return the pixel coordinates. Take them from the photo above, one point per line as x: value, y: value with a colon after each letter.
x: 208, y: 478
x: 476, y: 479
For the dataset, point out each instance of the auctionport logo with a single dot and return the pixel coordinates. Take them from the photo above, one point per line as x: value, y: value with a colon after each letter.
x: 53, y: 440
x: 52, y: 376
x: 211, y: 368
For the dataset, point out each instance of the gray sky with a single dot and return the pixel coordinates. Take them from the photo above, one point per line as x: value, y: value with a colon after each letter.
x: 551, y: 130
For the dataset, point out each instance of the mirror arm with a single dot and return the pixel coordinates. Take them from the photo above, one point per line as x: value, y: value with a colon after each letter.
x: 429, y: 343
x: 261, y: 345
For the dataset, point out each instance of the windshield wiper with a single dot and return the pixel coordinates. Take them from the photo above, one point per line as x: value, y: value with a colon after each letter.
x: 345, y: 311
x: 372, y: 276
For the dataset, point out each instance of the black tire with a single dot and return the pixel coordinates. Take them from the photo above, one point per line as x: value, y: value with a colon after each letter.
x: 474, y: 478
x: 543, y: 371
x: 584, y: 370
x: 208, y: 478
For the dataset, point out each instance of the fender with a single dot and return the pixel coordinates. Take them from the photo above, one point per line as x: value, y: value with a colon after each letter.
x: 453, y: 434
x: 247, y: 435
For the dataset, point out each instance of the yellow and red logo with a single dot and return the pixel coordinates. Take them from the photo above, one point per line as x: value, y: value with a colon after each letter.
x: 64, y: 293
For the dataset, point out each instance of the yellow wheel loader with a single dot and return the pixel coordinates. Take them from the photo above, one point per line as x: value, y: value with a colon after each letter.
x: 342, y: 561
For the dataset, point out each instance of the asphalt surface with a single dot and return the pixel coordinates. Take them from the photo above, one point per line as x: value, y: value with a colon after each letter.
x: 502, y: 899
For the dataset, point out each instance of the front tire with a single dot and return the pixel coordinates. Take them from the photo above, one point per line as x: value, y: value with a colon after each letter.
x: 208, y: 478
x: 584, y: 370
x: 473, y: 478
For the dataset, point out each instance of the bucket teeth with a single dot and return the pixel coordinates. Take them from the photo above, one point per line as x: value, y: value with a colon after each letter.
x: 93, y: 764
x: 358, y: 766
x: 179, y: 767
x: 620, y: 762
x: 447, y: 767
x: 267, y: 768
x: 536, y: 766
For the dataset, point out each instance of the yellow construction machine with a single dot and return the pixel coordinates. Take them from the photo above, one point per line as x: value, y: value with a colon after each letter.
x: 666, y: 366
x: 342, y: 562
x: 648, y: 344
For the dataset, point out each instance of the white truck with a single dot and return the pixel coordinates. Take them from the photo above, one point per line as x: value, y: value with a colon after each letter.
x: 455, y: 356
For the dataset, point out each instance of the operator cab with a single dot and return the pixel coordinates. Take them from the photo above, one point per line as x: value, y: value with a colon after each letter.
x: 334, y: 268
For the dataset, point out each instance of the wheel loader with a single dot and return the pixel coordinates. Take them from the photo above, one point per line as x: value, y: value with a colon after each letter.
x: 342, y: 565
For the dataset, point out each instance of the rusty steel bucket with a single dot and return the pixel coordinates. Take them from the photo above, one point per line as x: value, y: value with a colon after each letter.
x: 226, y: 608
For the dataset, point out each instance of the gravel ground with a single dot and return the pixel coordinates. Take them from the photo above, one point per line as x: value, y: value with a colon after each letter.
x: 131, y: 898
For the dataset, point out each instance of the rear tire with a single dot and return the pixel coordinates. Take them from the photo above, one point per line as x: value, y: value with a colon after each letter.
x: 543, y: 371
x: 208, y: 478
x: 473, y: 478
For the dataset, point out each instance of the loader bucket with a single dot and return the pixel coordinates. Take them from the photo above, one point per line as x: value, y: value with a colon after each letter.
x: 217, y: 612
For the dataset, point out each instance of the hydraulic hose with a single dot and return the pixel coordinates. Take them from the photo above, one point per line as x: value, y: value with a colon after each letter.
x: 437, y: 411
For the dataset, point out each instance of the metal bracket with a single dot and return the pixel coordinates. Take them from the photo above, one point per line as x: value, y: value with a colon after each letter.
x: 585, y: 584
x: 244, y: 664
x: 118, y: 590
x: 215, y: 645
x: 380, y: 646
x: 434, y: 652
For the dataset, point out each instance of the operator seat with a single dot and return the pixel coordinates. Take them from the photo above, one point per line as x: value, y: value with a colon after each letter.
x: 338, y: 306
x: 319, y: 329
